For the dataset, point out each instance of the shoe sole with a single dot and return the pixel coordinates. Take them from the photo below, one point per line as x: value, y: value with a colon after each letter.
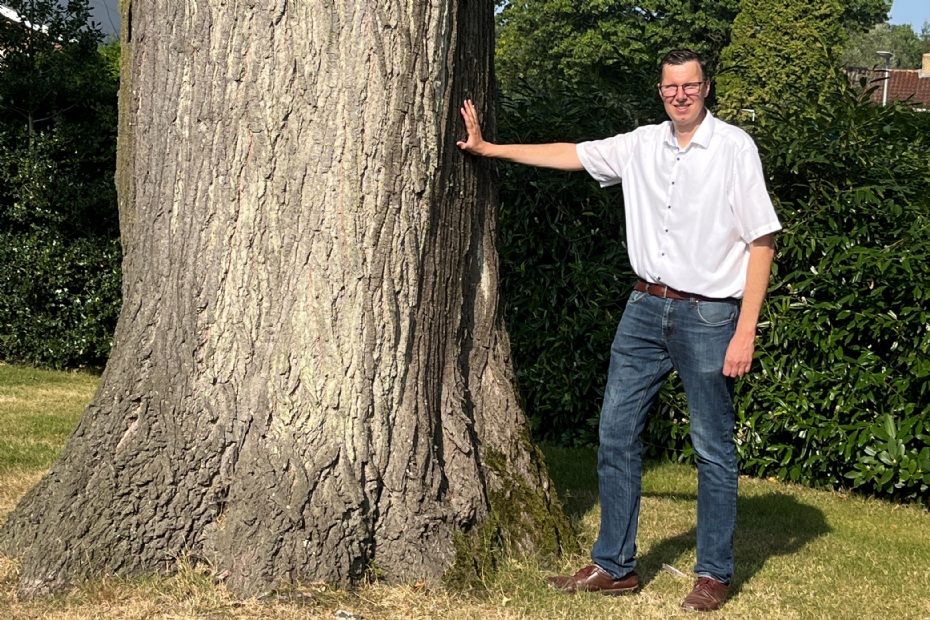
x: 565, y: 585
x: 692, y: 610
x: 613, y: 592
x: 616, y: 592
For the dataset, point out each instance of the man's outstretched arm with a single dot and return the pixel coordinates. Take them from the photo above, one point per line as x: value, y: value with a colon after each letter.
x: 739, y: 353
x: 560, y: 155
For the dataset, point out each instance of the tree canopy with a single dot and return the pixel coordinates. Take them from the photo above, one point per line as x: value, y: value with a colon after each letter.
x: 860, y: 15
x: 615, y: 45
x: 545, y: 41
x: 50, y: 61
x: 901, y: 39
x: 778, y: 48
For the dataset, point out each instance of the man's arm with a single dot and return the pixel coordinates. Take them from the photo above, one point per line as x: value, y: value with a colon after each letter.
x: 560, y: 155
x: 739, y: 353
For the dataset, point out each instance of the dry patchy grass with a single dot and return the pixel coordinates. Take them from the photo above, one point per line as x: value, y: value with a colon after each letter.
x: 801, y: 553
x: 13, y: 486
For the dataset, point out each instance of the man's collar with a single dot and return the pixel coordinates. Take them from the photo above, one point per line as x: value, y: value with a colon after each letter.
x: 701, y: 137
x: 706, y: 131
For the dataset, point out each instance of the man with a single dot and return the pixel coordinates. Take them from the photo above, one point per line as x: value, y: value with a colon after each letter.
x: 699, y: 226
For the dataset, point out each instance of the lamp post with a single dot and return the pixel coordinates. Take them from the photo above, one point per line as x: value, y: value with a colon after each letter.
x: 887, y: 56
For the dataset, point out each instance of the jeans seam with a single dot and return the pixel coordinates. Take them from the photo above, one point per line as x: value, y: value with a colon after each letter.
x: 634, y: 435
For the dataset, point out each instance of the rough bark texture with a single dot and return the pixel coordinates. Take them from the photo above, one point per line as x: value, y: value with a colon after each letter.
x: 310, y: 376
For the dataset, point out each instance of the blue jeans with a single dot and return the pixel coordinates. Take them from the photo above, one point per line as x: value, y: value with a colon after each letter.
x: 654, y: 336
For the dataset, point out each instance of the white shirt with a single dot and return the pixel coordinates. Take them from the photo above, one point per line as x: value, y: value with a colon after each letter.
x: 690, y: 213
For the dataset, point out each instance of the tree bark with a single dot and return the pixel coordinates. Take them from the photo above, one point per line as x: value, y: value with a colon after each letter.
x: 310, y: 377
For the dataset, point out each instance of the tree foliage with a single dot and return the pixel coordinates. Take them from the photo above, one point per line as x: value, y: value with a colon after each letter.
x: 611, y: 42
x: 59, y: 291
x: 860, y: 15
x: 907, y: 46
x: 50, y: 59
x: 779, y: 48
x: 615, y: 45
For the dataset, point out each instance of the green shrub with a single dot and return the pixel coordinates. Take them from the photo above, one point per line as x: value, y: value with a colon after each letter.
x: 60, y: 283
x: 565, y: 272
x: 59, y: 299
x: 844, y: 346
x: 59, y: 243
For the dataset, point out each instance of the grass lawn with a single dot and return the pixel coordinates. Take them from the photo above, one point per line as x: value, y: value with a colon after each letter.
x: 800, y: 553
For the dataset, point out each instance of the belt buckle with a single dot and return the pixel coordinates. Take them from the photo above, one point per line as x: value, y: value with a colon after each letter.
x: 664, y: 294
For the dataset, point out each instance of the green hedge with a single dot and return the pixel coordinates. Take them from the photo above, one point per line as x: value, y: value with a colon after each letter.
x: 59, y: 299
x: 838, y: 393
x: 59, y: 234
x: 565, y: 269
x: 845, y: 347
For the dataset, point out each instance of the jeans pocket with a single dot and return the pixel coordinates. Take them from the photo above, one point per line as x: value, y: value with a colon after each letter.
x: 717, y: 312
x: 635, y: 296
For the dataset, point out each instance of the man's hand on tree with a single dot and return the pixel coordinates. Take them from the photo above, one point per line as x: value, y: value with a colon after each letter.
x: 475, y: 143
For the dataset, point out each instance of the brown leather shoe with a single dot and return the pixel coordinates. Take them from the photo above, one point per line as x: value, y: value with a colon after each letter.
x: 707, y: 595
x: 594, y: 579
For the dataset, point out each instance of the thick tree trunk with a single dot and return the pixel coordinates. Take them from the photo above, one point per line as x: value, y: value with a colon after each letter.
x: 310, y: 375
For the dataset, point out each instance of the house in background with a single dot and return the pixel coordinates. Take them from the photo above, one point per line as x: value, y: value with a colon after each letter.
x: 903, y: 84
x: 11, y: 15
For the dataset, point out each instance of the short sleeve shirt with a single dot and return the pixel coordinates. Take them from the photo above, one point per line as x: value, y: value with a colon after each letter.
x: 690, y: 213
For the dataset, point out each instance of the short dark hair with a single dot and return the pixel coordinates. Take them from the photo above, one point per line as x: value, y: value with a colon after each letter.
x: 679, y: 57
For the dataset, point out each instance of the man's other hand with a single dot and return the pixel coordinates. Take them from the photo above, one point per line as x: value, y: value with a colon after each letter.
x: 739, y: 354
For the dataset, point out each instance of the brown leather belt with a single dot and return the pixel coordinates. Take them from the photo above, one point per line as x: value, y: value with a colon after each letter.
x: 665, y: 292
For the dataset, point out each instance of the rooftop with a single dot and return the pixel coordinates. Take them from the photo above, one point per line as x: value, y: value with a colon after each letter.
x: 903, y: 84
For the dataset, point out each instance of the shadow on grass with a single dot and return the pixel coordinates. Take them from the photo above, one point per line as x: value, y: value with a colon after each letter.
x: 767, y: 526
x: 574, y: 474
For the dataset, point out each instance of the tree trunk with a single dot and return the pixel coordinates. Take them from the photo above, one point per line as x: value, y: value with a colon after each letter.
x: 310, y: 377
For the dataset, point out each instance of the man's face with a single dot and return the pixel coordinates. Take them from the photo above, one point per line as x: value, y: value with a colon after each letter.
x: 683, y: 108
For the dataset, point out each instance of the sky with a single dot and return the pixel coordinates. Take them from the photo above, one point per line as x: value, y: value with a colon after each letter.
x: 913, y: 12
x: 106, y: 13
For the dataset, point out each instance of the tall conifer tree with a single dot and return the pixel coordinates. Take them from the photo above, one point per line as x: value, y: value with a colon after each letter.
x: 779, y: 48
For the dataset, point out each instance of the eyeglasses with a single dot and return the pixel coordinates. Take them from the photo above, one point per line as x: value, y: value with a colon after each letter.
x: 690, y: 89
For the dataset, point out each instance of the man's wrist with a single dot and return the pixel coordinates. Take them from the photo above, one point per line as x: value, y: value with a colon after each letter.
x: 488, y: 149
x: 746, y: 331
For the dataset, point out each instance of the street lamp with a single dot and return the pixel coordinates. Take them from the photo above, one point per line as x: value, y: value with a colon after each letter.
x: 887, y: 56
